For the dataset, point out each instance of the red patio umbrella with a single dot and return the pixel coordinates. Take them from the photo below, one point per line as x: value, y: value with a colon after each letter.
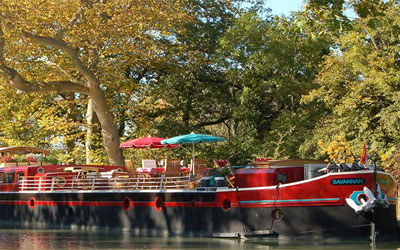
x: 147, y: 142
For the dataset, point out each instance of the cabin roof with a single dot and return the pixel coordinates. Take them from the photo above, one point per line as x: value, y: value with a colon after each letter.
x: 287, y: 162
x: 23, y: 150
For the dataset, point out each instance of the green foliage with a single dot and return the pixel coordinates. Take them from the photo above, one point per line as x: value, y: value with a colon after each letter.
x: 52, y: 159
x: 273, y: 68
x: 359, y: 80
x: 236, y: 76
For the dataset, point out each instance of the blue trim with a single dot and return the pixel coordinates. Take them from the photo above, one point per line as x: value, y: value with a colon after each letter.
x: 392, y: 199
x: 301, y: 200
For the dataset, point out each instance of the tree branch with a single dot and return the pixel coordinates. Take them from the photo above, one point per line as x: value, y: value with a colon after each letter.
x: 24, y: 86
x: 60, y: 44
x: 208, y: 123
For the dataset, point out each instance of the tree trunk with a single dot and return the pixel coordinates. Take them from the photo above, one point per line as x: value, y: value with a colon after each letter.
x: 89, y: 130
x: 109, y: 128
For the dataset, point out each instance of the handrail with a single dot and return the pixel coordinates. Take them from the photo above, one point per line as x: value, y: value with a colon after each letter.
x: 114, y: 183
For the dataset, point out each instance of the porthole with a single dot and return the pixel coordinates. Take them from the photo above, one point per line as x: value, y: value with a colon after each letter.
x: 226, y: 204
x: 159, y: 203
x: 31, y: 203
x: 127, y: 203
x: 40, y: 170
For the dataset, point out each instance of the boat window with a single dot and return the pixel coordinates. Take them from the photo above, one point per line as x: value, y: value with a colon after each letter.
x: 9, y: 178
x: 21, y: 152
x: 89, y: 172
x: 20, y: 176
x: 69, y: 169
x: 1, y: 177
x: 282, y: 177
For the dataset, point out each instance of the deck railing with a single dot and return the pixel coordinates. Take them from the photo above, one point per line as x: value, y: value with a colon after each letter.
x: 115, y: 182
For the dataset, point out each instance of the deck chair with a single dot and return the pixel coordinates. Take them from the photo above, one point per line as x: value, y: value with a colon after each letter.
x: 172, y: 170
x: 230, y: 180
x: 172, y: 165
x: 197, y: 167
x: 149, y: 163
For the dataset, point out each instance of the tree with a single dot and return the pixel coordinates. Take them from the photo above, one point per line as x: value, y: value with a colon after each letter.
x: 81, y: 47
x: 35, y: 121
x: 272, y: 64
x: 359, y: 80
x: 185, y: 91
x: 238, y: 76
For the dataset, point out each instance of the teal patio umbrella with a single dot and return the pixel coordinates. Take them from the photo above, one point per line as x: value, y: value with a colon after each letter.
x: 192, y: 138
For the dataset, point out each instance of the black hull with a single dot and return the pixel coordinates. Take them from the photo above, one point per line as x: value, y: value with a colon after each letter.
x: 145, y: 218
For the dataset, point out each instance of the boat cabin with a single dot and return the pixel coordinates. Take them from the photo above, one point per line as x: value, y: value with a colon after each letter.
x: 274, y: 172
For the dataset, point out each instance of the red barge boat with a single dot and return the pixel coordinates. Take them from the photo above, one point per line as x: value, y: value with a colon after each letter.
x: 288, y: 198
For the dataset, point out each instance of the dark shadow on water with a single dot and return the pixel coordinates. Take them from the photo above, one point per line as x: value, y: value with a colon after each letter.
x: 32, y: 239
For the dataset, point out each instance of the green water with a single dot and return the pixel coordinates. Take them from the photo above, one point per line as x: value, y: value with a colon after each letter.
x: 68, y: 239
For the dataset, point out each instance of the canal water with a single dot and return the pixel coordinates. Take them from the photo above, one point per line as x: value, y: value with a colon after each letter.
x: 84, y: 240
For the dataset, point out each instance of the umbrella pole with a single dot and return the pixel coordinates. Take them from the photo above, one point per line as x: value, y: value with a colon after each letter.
x: 194, y: 172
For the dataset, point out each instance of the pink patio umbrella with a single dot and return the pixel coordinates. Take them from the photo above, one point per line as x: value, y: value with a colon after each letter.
x: 147, y: 142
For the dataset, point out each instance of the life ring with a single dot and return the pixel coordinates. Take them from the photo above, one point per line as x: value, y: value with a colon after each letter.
x: 60, y: 181
x: 362, y: 198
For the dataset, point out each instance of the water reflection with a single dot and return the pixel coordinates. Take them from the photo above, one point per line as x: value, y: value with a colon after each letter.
x: 69, y: 239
